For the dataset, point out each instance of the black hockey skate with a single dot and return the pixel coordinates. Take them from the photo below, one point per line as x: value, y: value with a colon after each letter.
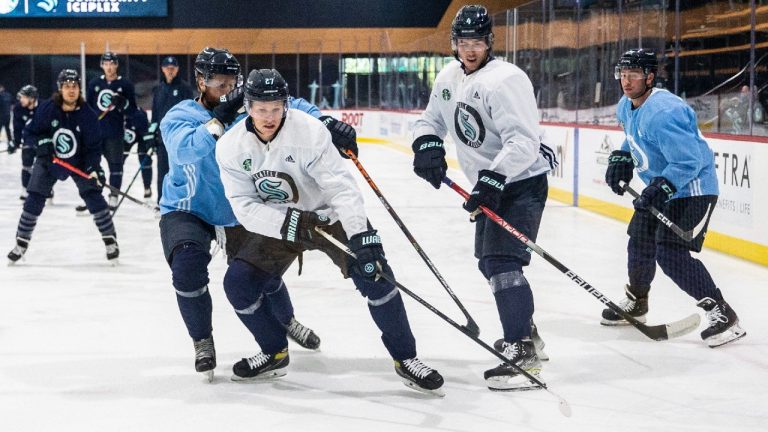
x: 506, y: 378
x: 113, y: 251
x: 419, y: 376
x: 147, y: 193
x: 18, y: 251
x: 261, y: 367
x: 81, y: 210
x: 636, y: 307
x: 538, y: 342
x: 112, y: 202
x: 302, y: 335
x: 723, y: 324
x: 205, y: 357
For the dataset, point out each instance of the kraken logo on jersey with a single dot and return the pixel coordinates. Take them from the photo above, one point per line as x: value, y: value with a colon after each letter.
x: 64, y: 143
x: 129, y: 135
x: 276, y: 187
x: 446, y: 94
x: 247, y: 164
x: 104, y: 99
x: 638, y: 155
x: 468, y: 125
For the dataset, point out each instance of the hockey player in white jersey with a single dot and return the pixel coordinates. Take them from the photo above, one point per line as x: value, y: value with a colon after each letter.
x: 489, y: 109
x: 284, y: 177
x: 673, y: 159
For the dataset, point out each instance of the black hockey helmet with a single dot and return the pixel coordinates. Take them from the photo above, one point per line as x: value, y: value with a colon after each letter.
x: 472, y: 22
x: 637, y: 59
x: 29, y: 91
x: 265, y: 85
x: 68, y: 75
x: 212, y: 61
x: 109, y: 56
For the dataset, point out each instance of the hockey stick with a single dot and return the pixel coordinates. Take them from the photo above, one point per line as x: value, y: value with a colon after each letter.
x: 110, y: 187
x: 655, y: 332
x: 106, y: 111
x: 135, y: 176
x: 685, y: 235
x: 471, y: 325
x: 564, y: 407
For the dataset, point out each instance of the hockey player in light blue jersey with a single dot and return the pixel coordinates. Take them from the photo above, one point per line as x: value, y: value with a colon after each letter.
x: 664, y: 144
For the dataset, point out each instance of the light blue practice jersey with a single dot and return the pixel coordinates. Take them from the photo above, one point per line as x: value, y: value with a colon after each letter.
x: 665, y: 141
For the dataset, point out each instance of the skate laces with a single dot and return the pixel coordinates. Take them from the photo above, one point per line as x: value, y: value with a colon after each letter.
x: 715, y: 315
x: 298, y: 331
x: 627, y: 304
x: 511, y: 350
x: 416, y: 367
x: 258, y: 360
x: 204, y: 348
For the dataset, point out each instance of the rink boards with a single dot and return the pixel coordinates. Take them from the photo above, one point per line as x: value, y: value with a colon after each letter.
x: 737, y: 227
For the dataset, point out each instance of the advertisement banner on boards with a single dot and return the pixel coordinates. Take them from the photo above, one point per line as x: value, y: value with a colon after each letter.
x: 83, y: 8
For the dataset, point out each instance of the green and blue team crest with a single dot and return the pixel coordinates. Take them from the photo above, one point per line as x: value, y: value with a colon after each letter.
x: 247, y: 165
x: 446, y: 94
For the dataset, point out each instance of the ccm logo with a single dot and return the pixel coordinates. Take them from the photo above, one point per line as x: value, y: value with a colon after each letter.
x: 353, y: 119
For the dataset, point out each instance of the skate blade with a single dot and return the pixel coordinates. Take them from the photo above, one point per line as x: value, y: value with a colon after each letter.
x: 507, y: 383
x: 541, y: 354
x: 208, y: 375
x: 731, y: 335
x: 410, y: 384
x: 621, y: 322
x: 266, y: 376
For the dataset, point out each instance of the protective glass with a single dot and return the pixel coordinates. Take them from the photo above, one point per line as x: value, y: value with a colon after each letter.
x: 266, y: 110
x: 471, y: 44
x: 225, y: 83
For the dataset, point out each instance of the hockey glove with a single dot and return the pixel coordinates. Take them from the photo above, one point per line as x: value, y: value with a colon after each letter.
x: 620, y: 168
x: 44, y: 151
x: 487, y: 191
x: 119, y: 102
x: 370, y: 254
x: 97, y: 174
x: 229, y: 104
x: 658, y: 192
x: 429, y: 159
x: 299, y: 226
x: 343, y: 135
x: 151, y: 136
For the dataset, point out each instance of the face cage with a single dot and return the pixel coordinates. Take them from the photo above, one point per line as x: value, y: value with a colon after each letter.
x: 247, y: 105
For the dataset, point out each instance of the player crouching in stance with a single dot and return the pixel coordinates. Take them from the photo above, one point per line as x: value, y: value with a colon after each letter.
x: 66, y: 128
x: 679, y: 168
x: 284, y: 177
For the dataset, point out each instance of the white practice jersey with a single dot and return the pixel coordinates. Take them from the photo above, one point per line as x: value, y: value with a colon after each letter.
x: 299, y: 168
x: 493, y: 119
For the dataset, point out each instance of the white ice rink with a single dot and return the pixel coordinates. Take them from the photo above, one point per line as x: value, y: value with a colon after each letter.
x: 89, y: 347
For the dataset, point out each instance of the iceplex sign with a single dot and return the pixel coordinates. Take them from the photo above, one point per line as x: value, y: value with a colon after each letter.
x: 82, y: 8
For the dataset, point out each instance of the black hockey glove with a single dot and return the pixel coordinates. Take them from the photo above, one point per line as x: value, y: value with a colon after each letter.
x: 620, y: 168
x: 44, y: 151
x: 299, y: 226
x: 370, y: 254
x: 119, y: 102
x: 97, y: 174
x: 429, y: 159
x: 487, y: 191
x: 343, y: 135
x: 229, y: 104
x: 658, y: 192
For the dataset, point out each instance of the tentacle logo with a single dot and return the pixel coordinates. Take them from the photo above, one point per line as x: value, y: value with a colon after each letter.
x: 271, y: 190
x: 47, y: 5
x: 276, y: 187
x: 129, y: 135
x: 468, y: 125
x: 638, y: 155
x: 104, y: 100
x: 64, y: 143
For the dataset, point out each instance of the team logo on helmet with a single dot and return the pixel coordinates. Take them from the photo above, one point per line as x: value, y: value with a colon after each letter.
x: 446, y: 94
x: 276, y: 187
x: 64, y: 143
x: 468, y: 125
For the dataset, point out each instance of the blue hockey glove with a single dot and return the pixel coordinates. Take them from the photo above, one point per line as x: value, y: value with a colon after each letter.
x: 658, y: 192
x: 299, y: 226
x: 487, y: 191
x: 343, y: 135
x: 429, y: 159
x: 620, y: 168
x: 370, y: 254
